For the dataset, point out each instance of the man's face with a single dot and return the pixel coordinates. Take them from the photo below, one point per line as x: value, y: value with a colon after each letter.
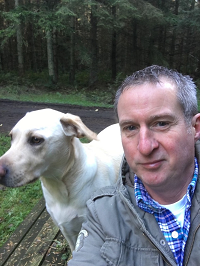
x: 158, y: 144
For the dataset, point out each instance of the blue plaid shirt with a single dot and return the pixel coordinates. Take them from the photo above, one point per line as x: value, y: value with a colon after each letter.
x: 165, y: 218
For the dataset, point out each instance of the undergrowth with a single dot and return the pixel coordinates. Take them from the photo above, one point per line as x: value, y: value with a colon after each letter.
x: 35, y: 87
x: 16, y: 203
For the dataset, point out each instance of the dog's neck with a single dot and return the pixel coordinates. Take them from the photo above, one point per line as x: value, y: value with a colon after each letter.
x: 74, y: 176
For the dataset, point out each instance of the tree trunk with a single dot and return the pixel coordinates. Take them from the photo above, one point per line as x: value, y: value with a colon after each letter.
x: 33, y: 57
x: 55, y: 55
x: 1, y: 62
x: 50, y: 57
x: 172, y: 48
x: 192, y: 5
x: 114, y: 47
x: 134, y: 52
x: 179, y: 62
x: 94, y: 47
x: 19, y: 44
x: 187, y: 51
x: 173, y: 41
x: 72, y: 52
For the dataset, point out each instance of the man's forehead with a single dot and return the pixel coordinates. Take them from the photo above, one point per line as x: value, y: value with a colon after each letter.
x: 169, y: 83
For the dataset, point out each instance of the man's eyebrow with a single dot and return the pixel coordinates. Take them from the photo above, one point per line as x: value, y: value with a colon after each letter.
x: 162, y: 116
x: 126, y: 122
x: 150, y: 118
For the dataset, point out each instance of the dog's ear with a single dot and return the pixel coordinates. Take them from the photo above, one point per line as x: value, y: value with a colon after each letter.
x: 73, y: 126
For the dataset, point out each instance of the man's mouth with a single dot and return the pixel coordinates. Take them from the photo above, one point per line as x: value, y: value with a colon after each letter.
x: 152, y: 165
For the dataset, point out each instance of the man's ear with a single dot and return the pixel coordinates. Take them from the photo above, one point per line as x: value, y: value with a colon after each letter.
x: 196, y: 126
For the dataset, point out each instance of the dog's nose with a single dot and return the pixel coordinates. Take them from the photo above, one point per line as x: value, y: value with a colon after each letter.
x: 2, y: 171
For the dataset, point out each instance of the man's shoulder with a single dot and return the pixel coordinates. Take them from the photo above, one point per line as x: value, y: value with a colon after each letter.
x: 107, y: 191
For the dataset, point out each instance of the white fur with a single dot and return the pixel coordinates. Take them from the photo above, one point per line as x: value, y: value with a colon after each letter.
x: 45, y: 145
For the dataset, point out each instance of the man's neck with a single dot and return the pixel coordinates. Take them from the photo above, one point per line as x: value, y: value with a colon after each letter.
x: 170, y: 195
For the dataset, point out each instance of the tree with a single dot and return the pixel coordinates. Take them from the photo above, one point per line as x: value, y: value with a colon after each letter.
x: 19, y: 42
x: 98, y: 40
x: 93, y: 45
x: 72, y: 51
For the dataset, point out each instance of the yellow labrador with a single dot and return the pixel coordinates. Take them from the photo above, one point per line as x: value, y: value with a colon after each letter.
x: 45, y: 145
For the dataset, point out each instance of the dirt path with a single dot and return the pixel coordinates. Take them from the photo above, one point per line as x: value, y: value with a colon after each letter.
x: 95, y: 118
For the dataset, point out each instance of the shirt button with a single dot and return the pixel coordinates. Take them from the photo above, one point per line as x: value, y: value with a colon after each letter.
x: 175, y: 234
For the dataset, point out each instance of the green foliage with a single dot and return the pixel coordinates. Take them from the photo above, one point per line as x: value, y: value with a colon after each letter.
x: 46, y: 18
x: 66, y: 8
x: 190, y: 20
x: 4, y: 143
x: 82, y: 78
x: 11, y: 19
x: 49, y: 21
x: 198, y: 92
x: 34, y: 86
x: 65, y: 97
x: 16, y: 203
x: 129, y: 34
x: 198, y: 84
x: 62, y: 247
x: 6, y: 34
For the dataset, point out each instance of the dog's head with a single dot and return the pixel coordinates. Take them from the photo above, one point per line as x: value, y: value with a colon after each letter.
x: 42, y: 144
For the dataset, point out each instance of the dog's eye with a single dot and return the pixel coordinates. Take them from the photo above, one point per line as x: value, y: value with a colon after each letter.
x: 36, y: 141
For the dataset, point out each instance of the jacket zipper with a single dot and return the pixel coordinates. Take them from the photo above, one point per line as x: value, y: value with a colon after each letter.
x: 143, y: 231
x: 191, y: 246
x: 156, y: 248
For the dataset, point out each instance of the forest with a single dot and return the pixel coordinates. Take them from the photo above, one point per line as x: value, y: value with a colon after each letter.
x: 95, y: 42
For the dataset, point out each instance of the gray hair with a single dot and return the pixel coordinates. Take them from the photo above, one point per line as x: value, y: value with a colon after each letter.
x: 186, y: 88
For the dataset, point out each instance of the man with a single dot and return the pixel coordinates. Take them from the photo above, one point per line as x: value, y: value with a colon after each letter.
x: 152, y: 216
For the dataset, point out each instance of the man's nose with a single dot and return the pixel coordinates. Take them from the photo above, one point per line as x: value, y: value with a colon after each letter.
x: 147, y: 142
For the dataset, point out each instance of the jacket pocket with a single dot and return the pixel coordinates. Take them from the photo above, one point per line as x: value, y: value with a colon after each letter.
x: 118, y: 253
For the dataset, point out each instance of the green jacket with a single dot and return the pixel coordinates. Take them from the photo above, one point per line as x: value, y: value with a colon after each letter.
x: 119, y: 233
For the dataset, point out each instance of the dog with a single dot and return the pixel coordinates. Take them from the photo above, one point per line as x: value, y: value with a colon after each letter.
x: 45, y: 144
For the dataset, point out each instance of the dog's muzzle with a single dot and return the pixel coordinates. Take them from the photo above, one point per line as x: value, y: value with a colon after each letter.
x: 3, y: 173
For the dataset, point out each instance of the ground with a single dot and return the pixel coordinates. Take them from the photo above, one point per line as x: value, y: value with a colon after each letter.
x: 93, y: 117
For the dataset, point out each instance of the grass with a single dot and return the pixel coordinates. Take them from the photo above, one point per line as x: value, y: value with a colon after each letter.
x: 16, y: 203
x: 71, y: 97
x: 36, y: 87
x: 83, y: 96
x: 99, y: 97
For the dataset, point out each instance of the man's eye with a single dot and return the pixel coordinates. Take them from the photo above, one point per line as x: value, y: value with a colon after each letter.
x: 130, y: 128
x: 162, y: 124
